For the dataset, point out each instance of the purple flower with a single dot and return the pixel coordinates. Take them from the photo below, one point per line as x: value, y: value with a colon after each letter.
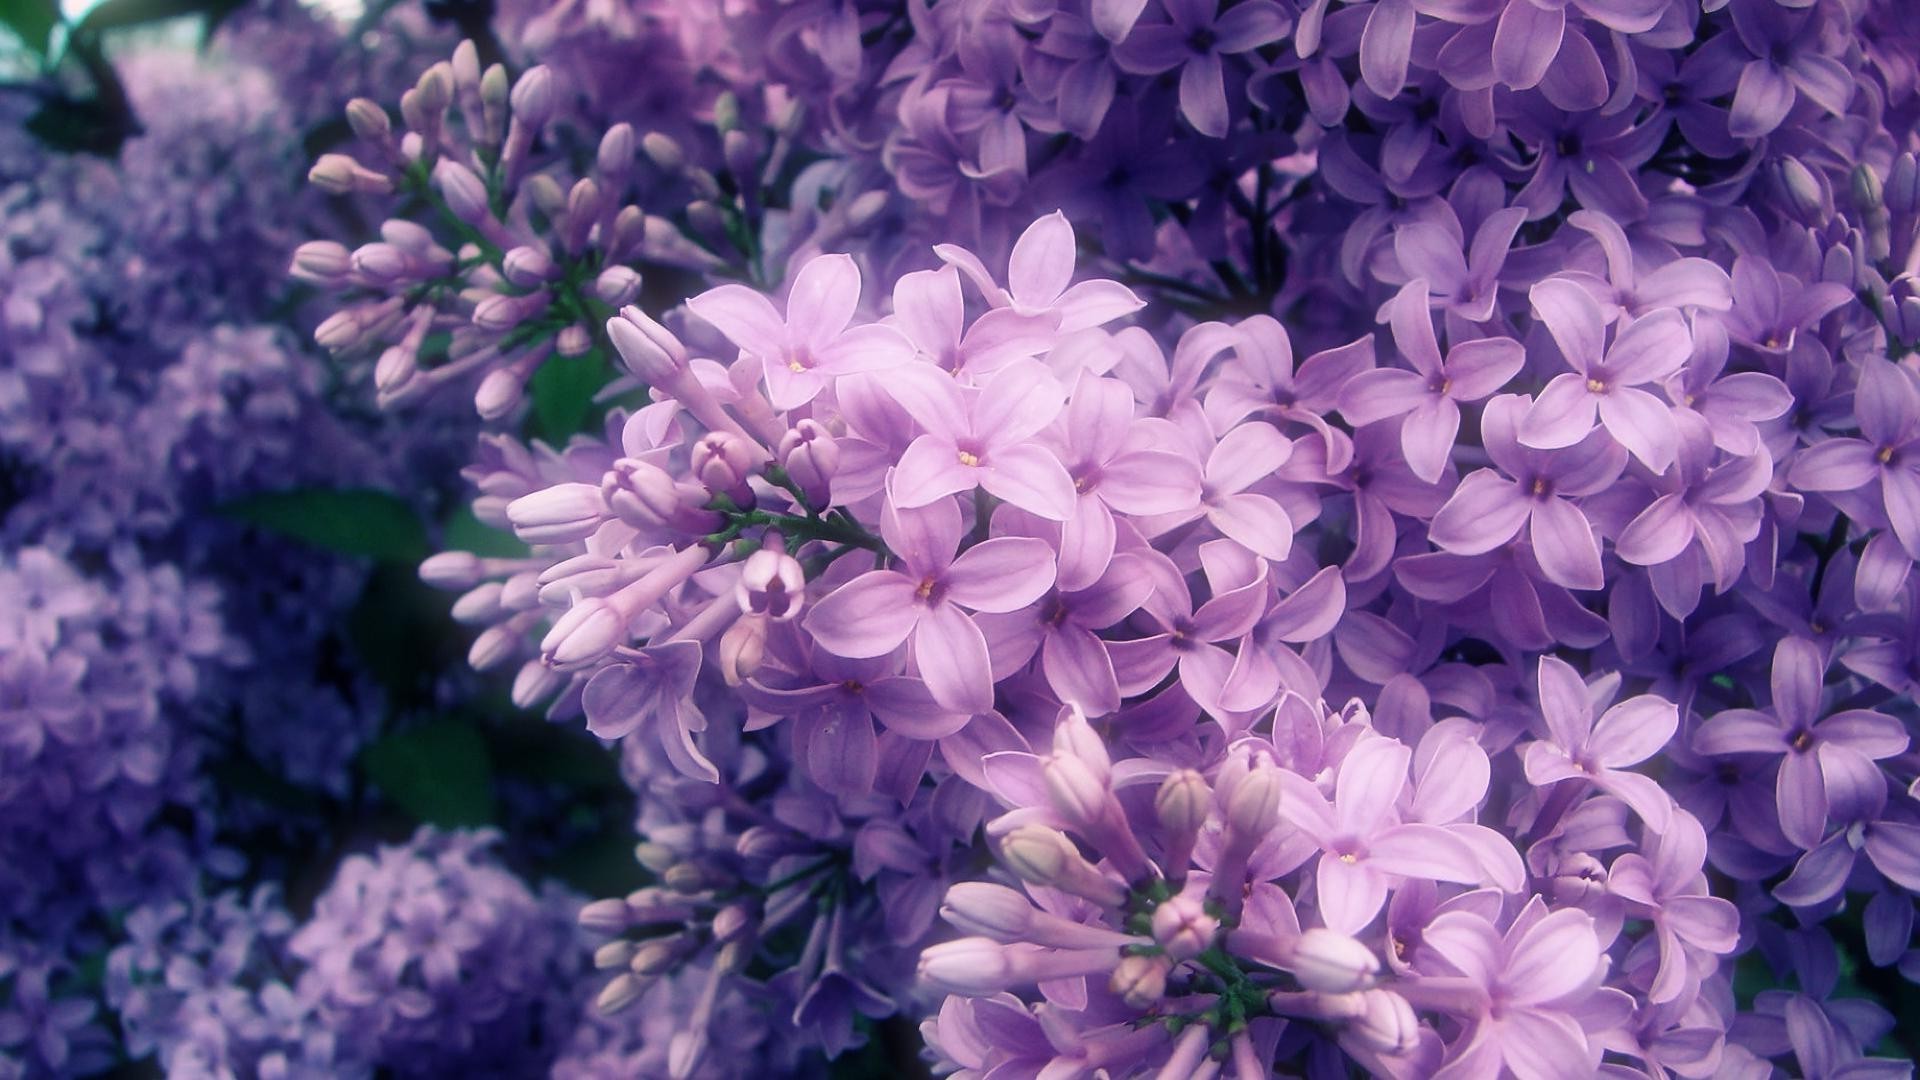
x: 1813, y: 747
x: 1606, y: 378
x: 1429, y: 396
x: 1790, y: 60
x: 812, y: 343
x: 1887, y: 405
x: 982, y: 440
x: 1488, y: 509
x: 877, y: 612
x: 1197, y: 38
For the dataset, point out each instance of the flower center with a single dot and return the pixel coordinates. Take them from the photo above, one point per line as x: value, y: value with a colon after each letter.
x: 1596, y: 386
x: 969, y: 459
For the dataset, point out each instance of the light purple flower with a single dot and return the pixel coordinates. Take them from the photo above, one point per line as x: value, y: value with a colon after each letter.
x: 1606, y: 378
x: 922, y: 601
x: 982, y: 439
x: 812, y: 342
x: 1578, y: 747
x: 1428, y: 397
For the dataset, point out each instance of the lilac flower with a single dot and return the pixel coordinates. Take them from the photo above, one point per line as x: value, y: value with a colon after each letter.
x: 1522, y: 987
x: 878, y: 611
x: 1429, y: 396
x: 1788, y: 58
x: 1887, y: 404
x: 1040, y: 279
x: 983, y: 440
x: 801, y: 351
x: 1364, y: 846
x: 1463, y: 279
x: 1666, y: 884
x: 1606, y: 378
x: 1812, y: 745
x: 1197, y: 38
x: 1580, y: 748
x: 1487, y: 510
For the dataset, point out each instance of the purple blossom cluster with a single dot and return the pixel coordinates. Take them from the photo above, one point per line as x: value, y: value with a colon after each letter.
x: 988, y: 538
x: 1148, y: 537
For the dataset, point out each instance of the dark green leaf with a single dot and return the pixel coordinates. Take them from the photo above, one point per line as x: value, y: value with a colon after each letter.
x: 600, y: 865
x: 464, y: 532
x: 32, y: 21
x: 353, y: 521
x: 115, y: 14
x: 563, y: 392
x: 81, y: 126
x: 401, y: 631
x: 439, y: 773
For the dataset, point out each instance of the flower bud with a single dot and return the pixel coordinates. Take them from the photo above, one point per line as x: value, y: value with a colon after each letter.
x: 1902, y: 189
x: 623, y: 991
x: 639, y: 493
x: 740, y: 154
x: 1183, y: 928
x: 663, y: 151
x: 629, y: 234
x: 500, y: 313
x: 583, y: 209
x: 722, y: 461
x: 533, y: 96
x: 617, y: 285
x: 478, y: 605
x: 1044, y: 856
x: 1181, y: 803
x: 546, y: 194
x: 726, y: 112
x: 1074, y: 789
x: 559, y: 514
x: 1141, y: 981
x: 452, y: 570
x: 605, y: 916
x: 661, y: 353
x: 533, y: 683
x: 772, y: 583
x: 1806, y: 195
x: 614, y: 954
x: 1074, y: 737
x: 322, y: 262
x: 981, y: 907
x: 810, y: 457
x: 369, y: 121
x: 865, y: 208
x: 573, y: 340
x: 587, y: 631
x: 615, y: 157
x: 466, y: 196
x: 338, y: 174
x: 494, y: 97
x: 735, y: 921
x: 384, y: 264
x: 495, y: 646
x: 528, y: 266
x: 1332, y: 963
x: 1253, y: 803
x: 973, y: 967
x: 742, y: 649
x: 435, y: 87
x: 500, y: 392
x: 1386, y: 1024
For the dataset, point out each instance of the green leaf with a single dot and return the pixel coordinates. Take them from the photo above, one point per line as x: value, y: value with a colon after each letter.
x: 563, y: 391
x: 464, y: 532
x: 81, y: 126
x: 403, y: 635
x: 115, y: 14
x: 439, y: 773
x: 352, y: 521
x: 32, y: 21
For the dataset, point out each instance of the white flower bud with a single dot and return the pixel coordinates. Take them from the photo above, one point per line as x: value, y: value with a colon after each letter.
x: 1332, y: 963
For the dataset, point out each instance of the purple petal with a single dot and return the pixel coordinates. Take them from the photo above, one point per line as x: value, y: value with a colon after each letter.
x: 1526, y: 42
x: 1429, y: 253
x: 1761, y: 101
x: 1042, y: 262
x: 952, y: 656
x: 1148, y: 482
x: 1377, y: 395
x: 1801, y: 793
x: 1476, y: 369
x: 1563, y: 542
x: 1424, y: 851
x: 747, y: 318
x: 1565, y: 703
x: 1660, y: 533
x: 843, y: 753
x: 1571, y: 314
x: 1031, y: 478
x: 1799, y: 670
x: 906, y: 708
x: 1203, y: 95
x: 1834, y: 465
x: 1426, y: 437
x: 1562, y: 415
x: 1486, y: 510
x: 824, y: 295
x: 1255, y: 522
x: 1894, y: 848
x: 1249, y: 25
x: 1078, y: 668
x: 1003, y: 574
x: 1016, y: 403
x: 1650, y: 349
x: 1739, y: 731
x: 1643, y: 424
x: 1385, y: 47
x: 1350, y: 894
x: 1634, y: 730
x: 930, y: 309
x: 929, y: 471
x: 868, y: 616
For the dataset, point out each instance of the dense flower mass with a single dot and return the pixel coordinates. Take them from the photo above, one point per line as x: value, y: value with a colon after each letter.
x: 1131, y: 538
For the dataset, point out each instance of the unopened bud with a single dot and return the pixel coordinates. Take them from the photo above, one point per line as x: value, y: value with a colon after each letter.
x: 974, y: 967
x: 1332, y: 963
x: 573, y: 339
x: 1181, y: 803
x: 614, y: 954
x: 1044, y: 856
x: 1074, y: 789
x: 466, y: 196
x: 615, y: 156
x: 663, y: 151
x: 500, y: 313
x: 865, y: 208
x: 726, y: 112
x: 495, y: 646
x: 322, y: 262
x: 527, y: 266
x: 559, y: 514
x: 810, y: 457
x: 494, y: 96
x: 435, y: 87
x: 480, y: 604
x: 722, y: 461
x: 384, y: 264
x: 369, y: 121
x: 533, y: 683
x: 1183, y: 928
x: 1386, y: 1023
x: 743, y: 648
x: 1141, y: 981
x: 623, y: 991
x: 533, y: 97
x: 1253, y: 803
x: 587, y: 631
x: 338, y: 174
x: 605, y: 916
x: 500, y: 393
x: 740, y: 154
x: 639, y: 493
x: 617, y: 285
x: 980, y: 907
